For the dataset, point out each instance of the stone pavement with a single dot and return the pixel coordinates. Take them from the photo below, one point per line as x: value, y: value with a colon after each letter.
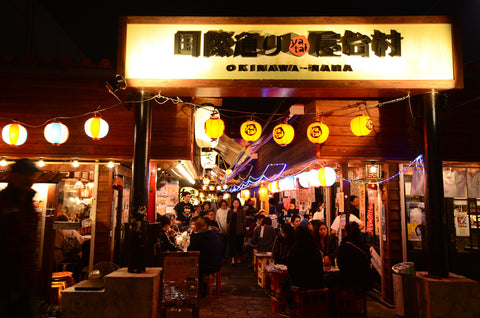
x: 241, y: 297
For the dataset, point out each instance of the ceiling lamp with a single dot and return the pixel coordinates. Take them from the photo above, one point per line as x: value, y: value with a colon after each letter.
x: 214, y: 127
x: 251, y: 131
x: 75, y: 163
x: 40, y: 163
x: 3, y: 162
x: 326, y: 176
x: 263, y: 193
x: 56, y: 133
x: 14, y: 134
x: 317, y: 132
x: 361, y: 125
x: 245, y: 194
x: 283, y: 134
x: 96, y: 127
x: 287, y: 183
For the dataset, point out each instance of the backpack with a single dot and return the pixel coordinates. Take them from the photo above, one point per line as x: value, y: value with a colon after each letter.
x: 71, y: 247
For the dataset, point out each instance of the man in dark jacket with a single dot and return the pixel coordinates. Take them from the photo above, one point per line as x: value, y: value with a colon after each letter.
x: 19, y: 241
x: 209, y: 244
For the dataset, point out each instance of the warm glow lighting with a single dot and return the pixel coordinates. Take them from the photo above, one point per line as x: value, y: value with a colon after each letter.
x: 96, y: 127
x: 214, y: 127
x: 287, y: 183
x: 245, y: 194
x: 40, y: 163
x: 263, y: 193
x: 250, y: 131
x: 14, y: 134
x: 110, y: 164
x: 75, y: 163
x: 185, y: 173
x: 273, y: 187
x: 283, y: 134
x: 361, y: 125
x: 3, y: 162
x: 201, y: 115
x: 317, y: 133
x: 326, y: 176
x: 56, y: 133
x: 373, y: 168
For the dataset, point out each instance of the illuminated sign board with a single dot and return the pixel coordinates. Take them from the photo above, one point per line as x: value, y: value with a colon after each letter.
x: 301, y: 52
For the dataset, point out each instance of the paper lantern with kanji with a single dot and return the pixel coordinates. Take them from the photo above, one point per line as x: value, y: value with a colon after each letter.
x: 326, y: 176
x: 14, y: 134
x: 251, y: 130
x: 283, y: 134
x: 263, y: 193
x: 317, y: 132
x: 96, y: 127
x: 56, y: 133
x: 214, y: 127
x: 361, y: 125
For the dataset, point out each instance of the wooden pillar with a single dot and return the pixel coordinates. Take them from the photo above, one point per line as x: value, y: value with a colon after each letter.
x: 138, y: 218
x: 435, y: 214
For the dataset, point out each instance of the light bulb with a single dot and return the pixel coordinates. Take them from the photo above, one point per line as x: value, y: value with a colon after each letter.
x: 40, y: 163
x: 75, y: 163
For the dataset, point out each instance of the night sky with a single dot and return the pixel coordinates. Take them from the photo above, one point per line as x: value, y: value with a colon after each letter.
x: 93, y: 25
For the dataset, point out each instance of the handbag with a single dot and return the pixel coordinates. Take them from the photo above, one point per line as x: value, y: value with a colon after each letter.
x: 71, y: 247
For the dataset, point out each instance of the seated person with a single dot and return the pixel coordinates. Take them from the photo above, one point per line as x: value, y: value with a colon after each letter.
x: 264, y: 235
x: 327, y: 244
x: 305, y: 265
x: 209, y: 244
x: 353, y: 259
x: 282, y: 244
x: 211, y: 223
x: 165, y: 242
x: 247, y: 244
x: 60, y: 258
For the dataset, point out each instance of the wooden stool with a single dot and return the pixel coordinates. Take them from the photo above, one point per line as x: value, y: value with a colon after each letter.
x: 218, y: 280
x: 350, y: 302
x: 311, y: 303
x: 60, y: 281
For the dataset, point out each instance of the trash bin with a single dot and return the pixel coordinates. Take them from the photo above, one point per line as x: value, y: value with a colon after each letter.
x: 404, y: 290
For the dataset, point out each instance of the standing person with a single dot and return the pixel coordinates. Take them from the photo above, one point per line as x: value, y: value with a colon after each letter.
x: 184, y: 211
x: 272, y: 209
x: 295, y: 221
x: 211, y: 223
x: 354, y: 203
x: 206, y: 207
x: 235, y: 231
x: 326, y: 243
x: 19, y: 241
x: 292, y: 209
x: 216, y: 204
x: 221, y: 219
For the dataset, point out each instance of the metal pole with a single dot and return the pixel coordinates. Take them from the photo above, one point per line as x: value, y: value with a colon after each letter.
x: 435, y: 214
x: 138, y: 218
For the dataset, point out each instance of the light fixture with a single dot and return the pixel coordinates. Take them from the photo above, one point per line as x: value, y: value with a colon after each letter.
x: 250, y: 130
x: 263, y: 193
x: 56, y: 133
x: 373, y: 170
x: 214, y: 127
x: 326, y: 176
x: 3, y: 162
x: 110, y: 164
x: 96, y: 127
x: 75, y: 163
x: 185, y: 173
x: 361, y: 125
x: 313, y: 178
x: 40, y: 163
x: 245, y: 194
x: 283, y: 134
x: 303, y: 179
x: 317, y: 132
x: 14, y: 134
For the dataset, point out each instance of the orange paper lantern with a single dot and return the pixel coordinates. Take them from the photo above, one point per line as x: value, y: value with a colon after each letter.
x: 214, y: 127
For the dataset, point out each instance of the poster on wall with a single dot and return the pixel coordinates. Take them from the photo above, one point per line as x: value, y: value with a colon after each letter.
x: 462, y: 225
x: 415, y: 220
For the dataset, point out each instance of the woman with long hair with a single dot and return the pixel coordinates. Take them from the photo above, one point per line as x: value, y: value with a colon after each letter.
x: 235, y: 231
x: 327, y: 244
x: 282, y: 244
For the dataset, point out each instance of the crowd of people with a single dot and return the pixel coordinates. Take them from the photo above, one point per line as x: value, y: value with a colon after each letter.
x: 315, y: 255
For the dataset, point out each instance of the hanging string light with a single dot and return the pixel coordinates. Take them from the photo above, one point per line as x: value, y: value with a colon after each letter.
x: 56, y: 133
x: 14, y: 134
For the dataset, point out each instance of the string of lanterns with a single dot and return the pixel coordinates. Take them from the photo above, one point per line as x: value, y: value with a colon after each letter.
x: 325, y: 176
x: 55, y: 132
